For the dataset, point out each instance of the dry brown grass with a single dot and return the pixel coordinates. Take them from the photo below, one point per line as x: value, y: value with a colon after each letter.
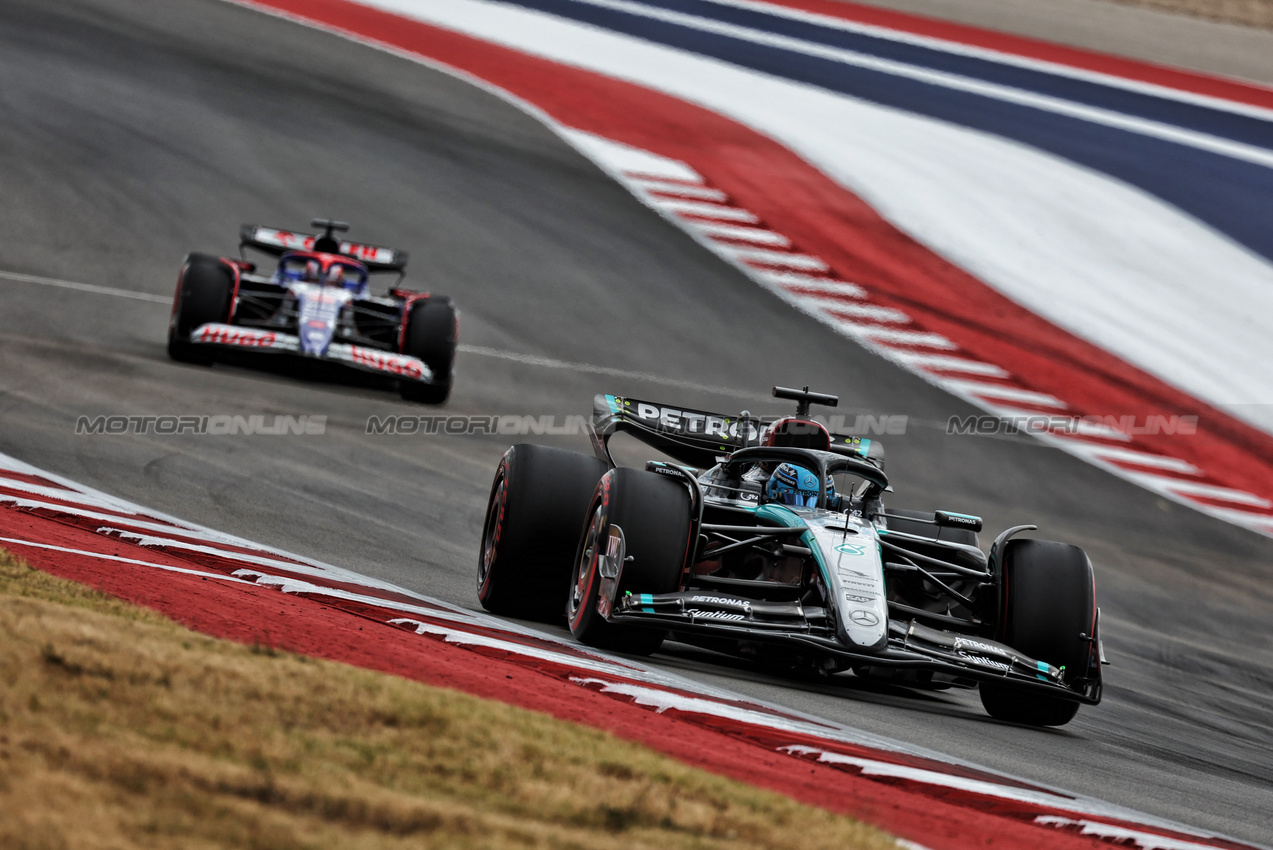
x: 1251, y: 13
x: 119, y: 728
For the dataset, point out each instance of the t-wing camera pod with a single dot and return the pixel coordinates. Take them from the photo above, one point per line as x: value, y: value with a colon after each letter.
x: 327, y: 243
x: 803, y: 398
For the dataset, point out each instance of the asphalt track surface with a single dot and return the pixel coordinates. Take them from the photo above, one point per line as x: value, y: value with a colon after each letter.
x: 132, y: 131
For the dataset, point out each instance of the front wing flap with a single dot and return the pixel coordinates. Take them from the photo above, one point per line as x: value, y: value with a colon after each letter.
x: 401, y: 366
x: 910, y: 644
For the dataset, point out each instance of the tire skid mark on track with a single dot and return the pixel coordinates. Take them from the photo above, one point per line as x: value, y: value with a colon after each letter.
x: 225, y: 586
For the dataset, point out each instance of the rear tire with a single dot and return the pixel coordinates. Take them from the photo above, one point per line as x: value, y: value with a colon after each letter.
x: 1049, y: 601
x: 204, y: 291
x: 432, y: 334
x: 654, y: 513
x: 538, y: 502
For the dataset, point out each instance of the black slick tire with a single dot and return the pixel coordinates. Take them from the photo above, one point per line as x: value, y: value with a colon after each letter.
x: 538, y: 502
x: 432, y: 334
x: 205, y: 288
x: 1049, y: 605
x: 653, y: 512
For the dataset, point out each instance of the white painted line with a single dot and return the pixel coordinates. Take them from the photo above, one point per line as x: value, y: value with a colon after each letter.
x: 946, y: 363
x: 259, y: 560
x: 1013, y: 59
x: 1119, y: 454
x: 480, y: 351
x: 793, y: 282
x: 1122, y: 836
x: 625, y: 158
x: 705, y: 193
x: 88, y: 287
x: 892, y: 336
x: 118, y: 559
x: 1256, y: 522
x: 590, y: 368
x: 866, y: 312
x: 698, y: 208
x: 757, y: 235
x: 1180, y: 487
x: 956, y: 82
x: 71, y: 496
x: 1073, y: 424
x: 1001, y: 391
x: 1036, y: 796
x: 779, y: 259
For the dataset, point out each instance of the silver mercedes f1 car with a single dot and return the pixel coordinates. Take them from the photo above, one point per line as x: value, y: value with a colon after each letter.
x: 772, y: 542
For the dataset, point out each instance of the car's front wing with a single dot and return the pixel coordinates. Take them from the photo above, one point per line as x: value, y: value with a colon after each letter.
x: 910, y: 644
x: 401, y: 366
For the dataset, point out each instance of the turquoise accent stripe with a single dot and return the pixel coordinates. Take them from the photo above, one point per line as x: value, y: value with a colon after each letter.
x: 783, y: 516
x: 647, y: 603
x: 864, y: 447
x: 1043, y: 667
x: 614, y: 405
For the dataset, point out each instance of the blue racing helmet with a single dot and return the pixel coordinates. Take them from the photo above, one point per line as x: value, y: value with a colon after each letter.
x: 794, y: 485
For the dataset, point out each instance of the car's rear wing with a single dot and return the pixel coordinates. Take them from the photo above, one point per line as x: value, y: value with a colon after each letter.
x: 693, y: 437
x: 273, y: 241
x: 696, y: 437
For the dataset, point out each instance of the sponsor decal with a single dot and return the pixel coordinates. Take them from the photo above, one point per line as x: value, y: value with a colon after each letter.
x: 855, y: 549
x: 407, y: 367
x: 977, y: 646
x: 722, y: 600
x: 691, y: 422
x: 227, y: 335
x: 714, y: 615
x: 305, y: 242
x: 864, y: 618
x: 985, y: 662
x: 861, y: 600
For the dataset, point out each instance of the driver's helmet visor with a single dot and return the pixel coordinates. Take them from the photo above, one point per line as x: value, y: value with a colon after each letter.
x: 795, y: 486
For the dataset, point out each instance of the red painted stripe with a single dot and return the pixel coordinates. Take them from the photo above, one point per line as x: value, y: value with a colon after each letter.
x: 10, y: 478
x: 319, y: 628
x: 826, y: 221
x: 1031, y: 48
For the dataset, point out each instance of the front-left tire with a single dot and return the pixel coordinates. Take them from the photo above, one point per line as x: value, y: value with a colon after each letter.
x: 1049, y: 613
x: 538, y: 501
x: 653, y: 512
x: 205, y: 289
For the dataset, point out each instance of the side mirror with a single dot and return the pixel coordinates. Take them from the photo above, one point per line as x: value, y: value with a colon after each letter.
x: 946, y: 519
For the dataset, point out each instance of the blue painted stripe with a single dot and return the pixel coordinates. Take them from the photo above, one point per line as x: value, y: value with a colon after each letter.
x: 1230, y: 125
x: 1233, y: 196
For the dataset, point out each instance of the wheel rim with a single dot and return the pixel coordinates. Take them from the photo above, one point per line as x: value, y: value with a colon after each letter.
x: 584, y: 567
x: 490, y: 534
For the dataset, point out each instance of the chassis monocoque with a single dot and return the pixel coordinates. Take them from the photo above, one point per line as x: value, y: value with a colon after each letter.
x: 317, y: 305
x: 692, y: 550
